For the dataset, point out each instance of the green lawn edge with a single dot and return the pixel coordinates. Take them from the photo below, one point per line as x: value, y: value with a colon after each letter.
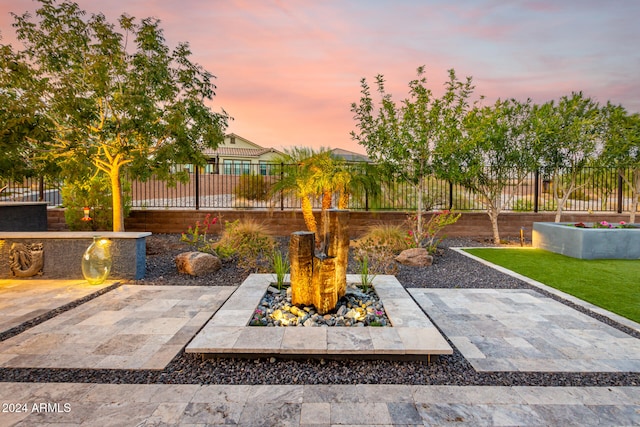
x: 607, y: 283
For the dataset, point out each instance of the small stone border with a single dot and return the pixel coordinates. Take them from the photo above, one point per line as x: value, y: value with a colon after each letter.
x: 228, y: 333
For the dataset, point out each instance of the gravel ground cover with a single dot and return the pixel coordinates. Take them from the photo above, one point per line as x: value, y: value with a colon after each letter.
x: 450, y: 270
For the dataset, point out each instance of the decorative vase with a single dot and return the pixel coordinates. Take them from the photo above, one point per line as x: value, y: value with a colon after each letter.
x: 96, y: 261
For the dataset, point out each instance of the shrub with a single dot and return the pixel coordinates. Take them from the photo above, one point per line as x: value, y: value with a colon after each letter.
x: 96, y: 194
x: 248, y: 242
x: 379, y: 247
x: 196, y: 236
x: 252, y: 187
x: 431, y: 229
x: 522, y: 205
x: 389, y: 235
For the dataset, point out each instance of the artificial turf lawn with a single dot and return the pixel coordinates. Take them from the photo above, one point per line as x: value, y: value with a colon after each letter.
x: 608, y: 283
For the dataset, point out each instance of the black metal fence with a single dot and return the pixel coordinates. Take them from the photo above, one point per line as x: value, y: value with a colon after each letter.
x: 600, y: 190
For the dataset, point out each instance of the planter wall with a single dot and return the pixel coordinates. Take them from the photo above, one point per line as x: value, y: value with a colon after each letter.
x: 587, y: 243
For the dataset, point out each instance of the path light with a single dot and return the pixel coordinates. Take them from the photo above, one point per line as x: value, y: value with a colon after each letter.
x: 96, y: 261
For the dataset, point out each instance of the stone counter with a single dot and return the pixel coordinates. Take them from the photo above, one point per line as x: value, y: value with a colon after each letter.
x: 62, y: 253
x: 23, y: 216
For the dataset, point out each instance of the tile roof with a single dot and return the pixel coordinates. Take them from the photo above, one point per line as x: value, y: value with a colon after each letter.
x: 237, y: 152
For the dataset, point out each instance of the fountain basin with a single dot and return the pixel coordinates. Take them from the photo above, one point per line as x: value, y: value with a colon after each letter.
x: 412, y: 334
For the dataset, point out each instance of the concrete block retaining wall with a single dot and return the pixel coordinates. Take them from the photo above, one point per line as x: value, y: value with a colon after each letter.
x: 283, y: 223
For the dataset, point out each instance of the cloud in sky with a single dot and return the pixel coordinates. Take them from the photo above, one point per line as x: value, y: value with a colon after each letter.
x: 288, y: 71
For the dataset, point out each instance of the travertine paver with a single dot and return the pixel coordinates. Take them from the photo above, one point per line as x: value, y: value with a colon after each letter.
x: 24, y: 300
x: 317, y: 405
x: 131, y: 327
x: 522, y: 330
x: 412, y: 332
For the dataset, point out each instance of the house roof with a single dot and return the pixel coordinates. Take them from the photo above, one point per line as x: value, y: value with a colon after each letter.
x: 238, y: 152
x: 350, y: 156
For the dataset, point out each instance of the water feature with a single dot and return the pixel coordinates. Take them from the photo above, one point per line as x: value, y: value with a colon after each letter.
x: 319, y: 276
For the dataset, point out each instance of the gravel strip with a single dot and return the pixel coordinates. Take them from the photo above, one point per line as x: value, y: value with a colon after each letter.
x: 450, y: 270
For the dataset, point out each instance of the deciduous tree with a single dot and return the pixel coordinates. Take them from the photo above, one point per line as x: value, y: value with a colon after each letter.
x: 570, y: 135
x: 118, y: 98
x: 403, y: 137
x: 622, y: 149
x: 497, y: 151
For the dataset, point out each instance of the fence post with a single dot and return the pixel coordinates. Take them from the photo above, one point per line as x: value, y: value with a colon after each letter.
x: 620, y: 184
x: 536, y: 191
x: 41, y: 189
x: 281, y: 192
x: 196, y: 177
x: 450, y: 195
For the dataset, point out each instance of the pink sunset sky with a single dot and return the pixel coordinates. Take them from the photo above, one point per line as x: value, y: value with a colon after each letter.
x: 288, y: 71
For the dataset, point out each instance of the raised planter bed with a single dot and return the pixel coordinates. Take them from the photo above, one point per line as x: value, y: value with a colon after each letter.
x: 587, y: 243
x: 62, y: 253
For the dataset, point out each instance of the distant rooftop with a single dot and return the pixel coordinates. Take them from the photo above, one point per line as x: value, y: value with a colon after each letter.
x: 350, y: 156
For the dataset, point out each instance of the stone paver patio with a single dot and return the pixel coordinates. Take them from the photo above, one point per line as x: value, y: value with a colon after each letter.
x: 144, y: 327
x: 522, y: 330
x: 318, y: 405
x: 131, y: 327
x: 21, y: 301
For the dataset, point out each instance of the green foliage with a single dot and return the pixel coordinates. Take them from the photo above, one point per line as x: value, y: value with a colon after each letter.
x: 570, y: 133
x: 379, y: 247
x: 252, y: 187
x: 405, y: 138
x: 114, y: 98
x: 248, y: 242
x: 578, y: 277
x: 366, y: 278
x: 196, y: 236
x: 280, y: 265
x: 95, y: 193
x: 390, y: 235
x: 431, y: 235
x: 522, y: 205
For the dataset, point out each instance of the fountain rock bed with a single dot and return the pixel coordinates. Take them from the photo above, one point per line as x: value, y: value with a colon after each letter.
x: 356, y: 308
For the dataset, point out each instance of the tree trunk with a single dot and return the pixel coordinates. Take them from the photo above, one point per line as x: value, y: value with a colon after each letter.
x: 327, y: 199
x: 420, y: 220
x: 343, y: 201
x: 635, y: 193
x: 493, y: 216
x: 307, y: 214
x: 116, y: 197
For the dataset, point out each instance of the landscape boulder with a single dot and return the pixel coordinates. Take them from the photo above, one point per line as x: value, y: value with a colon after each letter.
x: 415, y: 257
x: 197, y: 263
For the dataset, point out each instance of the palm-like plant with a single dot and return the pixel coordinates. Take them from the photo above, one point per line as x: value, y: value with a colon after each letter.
x: 310, y: 174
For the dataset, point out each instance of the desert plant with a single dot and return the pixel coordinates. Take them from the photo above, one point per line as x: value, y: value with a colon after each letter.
x: 196, y: 236
x: 248, y: 242
x: 390, y: 235
x: 430, y: 236
x: 380, y: 245
x: 366, y: 278
x: 280, y: 265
